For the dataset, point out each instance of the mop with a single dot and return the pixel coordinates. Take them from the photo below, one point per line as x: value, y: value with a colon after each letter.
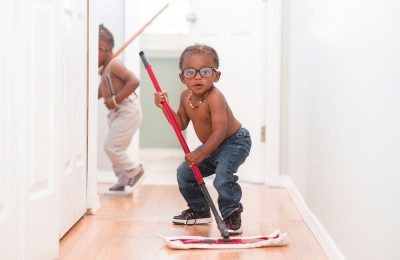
x: 277, y: 238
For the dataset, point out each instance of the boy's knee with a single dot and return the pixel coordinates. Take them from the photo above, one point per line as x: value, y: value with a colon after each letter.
x: 180, y: 170
x: 112, y: 150
x: 221, y: 180
x: 182, y: 167
x: 183, y: 172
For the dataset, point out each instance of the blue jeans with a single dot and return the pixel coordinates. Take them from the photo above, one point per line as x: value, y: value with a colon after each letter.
x: 224, y: 162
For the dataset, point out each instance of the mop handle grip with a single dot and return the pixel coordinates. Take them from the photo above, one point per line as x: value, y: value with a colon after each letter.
x: 168, y: 111
x: 146, y: 64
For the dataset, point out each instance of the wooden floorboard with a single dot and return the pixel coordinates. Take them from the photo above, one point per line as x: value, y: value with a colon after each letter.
x: 129, y: 227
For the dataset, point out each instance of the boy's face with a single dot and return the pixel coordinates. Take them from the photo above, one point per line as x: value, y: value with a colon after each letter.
x: 199, y: 84
x: 104, y: 53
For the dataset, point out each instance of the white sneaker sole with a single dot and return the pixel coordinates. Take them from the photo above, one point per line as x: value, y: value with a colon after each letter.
x: 198, y: 221
x: 126, y: 192
x: 234, y: 232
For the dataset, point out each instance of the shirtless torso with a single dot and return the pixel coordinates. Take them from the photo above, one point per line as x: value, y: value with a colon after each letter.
x: 201, y: 115
x: 122, y: 82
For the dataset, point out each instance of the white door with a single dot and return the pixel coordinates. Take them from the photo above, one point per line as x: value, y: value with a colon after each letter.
x: 236, y: 29
x: 72, y: 107
x: 12, y: 180
x: 40, y: 70
x: 33, y: 111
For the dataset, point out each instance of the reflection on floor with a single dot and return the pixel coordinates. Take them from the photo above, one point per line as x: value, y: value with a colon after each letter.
x: 130, y: 227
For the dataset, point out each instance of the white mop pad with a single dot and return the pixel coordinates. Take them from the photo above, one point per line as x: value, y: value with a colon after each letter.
x: 187, y: 242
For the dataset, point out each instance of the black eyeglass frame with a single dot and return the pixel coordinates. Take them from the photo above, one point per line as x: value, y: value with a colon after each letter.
x: 213, y: 69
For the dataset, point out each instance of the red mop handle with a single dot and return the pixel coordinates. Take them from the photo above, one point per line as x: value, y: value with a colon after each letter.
x: 168, y: 111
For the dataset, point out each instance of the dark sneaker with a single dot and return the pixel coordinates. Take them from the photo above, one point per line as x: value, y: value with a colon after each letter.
x: 233, y: 223
x: 117, y: 187
x: 118, y: 190
x: 137, y: 179
x: 190, y: 217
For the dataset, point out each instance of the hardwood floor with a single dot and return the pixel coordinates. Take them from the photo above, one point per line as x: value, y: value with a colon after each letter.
x: 129, y: 227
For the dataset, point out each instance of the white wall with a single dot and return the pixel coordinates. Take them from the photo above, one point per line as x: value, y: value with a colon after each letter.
x: 341, y: 119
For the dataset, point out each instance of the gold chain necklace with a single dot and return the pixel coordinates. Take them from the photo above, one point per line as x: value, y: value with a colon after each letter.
x: 201, y: 100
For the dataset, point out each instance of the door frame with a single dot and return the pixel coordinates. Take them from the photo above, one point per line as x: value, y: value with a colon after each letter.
x: 93, y: 200
x: 274, y: 18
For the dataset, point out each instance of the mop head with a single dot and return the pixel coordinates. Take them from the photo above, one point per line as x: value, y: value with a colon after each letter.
x: 187, y: 242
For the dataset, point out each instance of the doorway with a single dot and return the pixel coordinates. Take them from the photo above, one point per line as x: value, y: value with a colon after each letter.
x: 155, y: 132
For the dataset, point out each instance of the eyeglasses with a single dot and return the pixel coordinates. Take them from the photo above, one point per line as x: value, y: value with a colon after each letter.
x: 205, y: 72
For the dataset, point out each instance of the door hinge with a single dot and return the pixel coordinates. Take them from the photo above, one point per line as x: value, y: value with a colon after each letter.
x: 263, y: 133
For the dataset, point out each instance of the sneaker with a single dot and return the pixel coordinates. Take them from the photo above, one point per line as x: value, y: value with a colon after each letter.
x: 137, y: 179
x: 117, y: 187
x: 190, y: 217
x: 233, y: 223
x: 119, y: 190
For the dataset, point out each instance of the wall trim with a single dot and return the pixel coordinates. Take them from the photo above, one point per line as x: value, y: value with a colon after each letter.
x: 106, y: 176
x: 322, y: 236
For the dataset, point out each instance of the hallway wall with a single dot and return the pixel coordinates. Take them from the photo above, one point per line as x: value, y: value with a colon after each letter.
x: 341, y: 119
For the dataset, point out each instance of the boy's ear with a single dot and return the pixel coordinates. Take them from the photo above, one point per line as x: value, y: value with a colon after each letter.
x: 217, y: 76
x: 182, y: 78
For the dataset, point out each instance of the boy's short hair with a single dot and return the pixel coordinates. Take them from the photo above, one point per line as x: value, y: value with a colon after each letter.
x: 106, y: 36
x: 199, y: 48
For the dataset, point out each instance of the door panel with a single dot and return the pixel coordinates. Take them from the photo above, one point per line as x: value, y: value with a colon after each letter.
x: 238, y: 37
x: 73, y: 123
x: 11, y: 180
x: 42, y: 197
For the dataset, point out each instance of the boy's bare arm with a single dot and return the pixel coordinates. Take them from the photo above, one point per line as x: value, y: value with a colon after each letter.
x: 181, y: 116
x: 131, y: 82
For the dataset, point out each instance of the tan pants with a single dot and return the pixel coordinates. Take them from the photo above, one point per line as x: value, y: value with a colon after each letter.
x: 123, y: 123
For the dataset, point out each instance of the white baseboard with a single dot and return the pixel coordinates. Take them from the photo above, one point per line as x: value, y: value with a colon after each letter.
x: 322, y: 236
x: 161, y: 153
x: 159, y: 165
x: 106, y: 177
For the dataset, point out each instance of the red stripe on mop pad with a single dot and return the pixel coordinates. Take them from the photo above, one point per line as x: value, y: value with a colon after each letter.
x: 187, y: 242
